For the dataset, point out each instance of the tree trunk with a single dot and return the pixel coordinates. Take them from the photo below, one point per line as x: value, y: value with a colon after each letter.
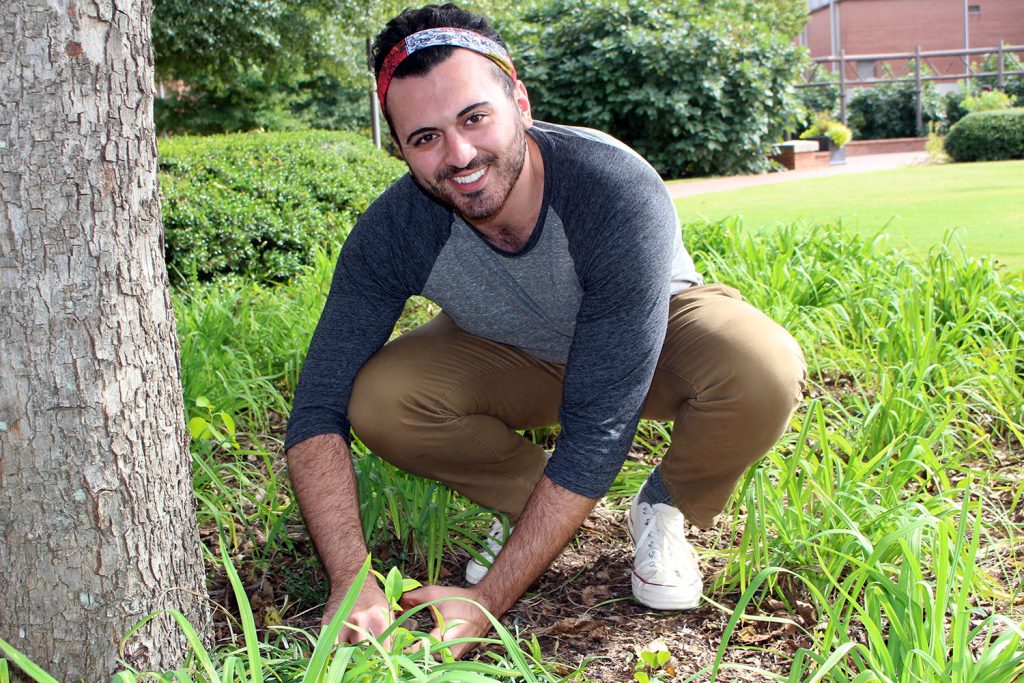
x: 97, y: 513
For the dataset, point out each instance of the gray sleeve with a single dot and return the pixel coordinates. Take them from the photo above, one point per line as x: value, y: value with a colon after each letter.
x: 384, y: 261
x: 622, y: 250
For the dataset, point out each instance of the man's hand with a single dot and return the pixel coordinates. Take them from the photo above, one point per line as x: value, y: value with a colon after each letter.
x: 370, y: 616
x: 475, y: 622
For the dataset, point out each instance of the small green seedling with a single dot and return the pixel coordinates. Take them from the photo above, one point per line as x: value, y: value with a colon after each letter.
x: 395, y: 585
x: 216, y: 426
x: 650, y: 661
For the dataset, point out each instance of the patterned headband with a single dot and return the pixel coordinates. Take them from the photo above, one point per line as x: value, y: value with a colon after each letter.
x: 434, y: 37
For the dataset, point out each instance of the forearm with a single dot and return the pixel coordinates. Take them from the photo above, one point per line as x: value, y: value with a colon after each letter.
x: 325, y: 485
x: 551, y: 517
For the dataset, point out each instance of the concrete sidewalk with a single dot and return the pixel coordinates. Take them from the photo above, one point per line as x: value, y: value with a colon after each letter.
x: 858, y: 164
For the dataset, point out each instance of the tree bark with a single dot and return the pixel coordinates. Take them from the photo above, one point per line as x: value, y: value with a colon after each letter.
x: 97, y: 513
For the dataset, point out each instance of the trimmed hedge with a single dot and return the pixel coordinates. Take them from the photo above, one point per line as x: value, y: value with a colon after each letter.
x: 987, y: 136
x: 258, y: 204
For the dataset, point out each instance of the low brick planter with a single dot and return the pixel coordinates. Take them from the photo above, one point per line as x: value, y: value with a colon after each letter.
x: 857, y: 148
x: 797, y: 155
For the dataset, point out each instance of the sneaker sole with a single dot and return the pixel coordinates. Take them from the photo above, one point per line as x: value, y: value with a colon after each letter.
x: 664, y: 597
x: 660, y: 597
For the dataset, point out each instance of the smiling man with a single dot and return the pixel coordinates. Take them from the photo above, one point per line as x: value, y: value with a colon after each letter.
x: 568, y: 298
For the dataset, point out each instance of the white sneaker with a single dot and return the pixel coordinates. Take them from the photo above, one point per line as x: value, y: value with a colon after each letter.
x: 496, y: 537
x: 665, y: 571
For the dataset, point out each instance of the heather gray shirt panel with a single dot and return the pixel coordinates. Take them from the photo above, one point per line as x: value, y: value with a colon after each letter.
x: 526, y: 300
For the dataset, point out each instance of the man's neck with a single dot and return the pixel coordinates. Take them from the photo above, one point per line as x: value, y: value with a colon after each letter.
x: 510, y: 229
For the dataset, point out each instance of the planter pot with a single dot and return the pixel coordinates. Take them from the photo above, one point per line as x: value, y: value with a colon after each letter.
x: 824, y: 142
x: 837, y: 155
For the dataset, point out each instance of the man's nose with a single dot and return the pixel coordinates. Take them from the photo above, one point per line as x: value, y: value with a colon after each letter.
x: 459, y: 151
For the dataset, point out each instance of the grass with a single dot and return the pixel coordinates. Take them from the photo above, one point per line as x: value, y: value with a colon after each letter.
x: 892, y: 506
x: 916, y: 206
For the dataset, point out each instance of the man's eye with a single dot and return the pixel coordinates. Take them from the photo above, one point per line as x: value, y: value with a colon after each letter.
x: 475, y: 118
x: 424, y: 139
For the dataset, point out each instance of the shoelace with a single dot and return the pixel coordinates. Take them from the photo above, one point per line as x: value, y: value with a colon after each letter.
x: 668, y: 538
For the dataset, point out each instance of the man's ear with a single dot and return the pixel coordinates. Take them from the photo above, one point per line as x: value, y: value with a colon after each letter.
x: 522, y: 100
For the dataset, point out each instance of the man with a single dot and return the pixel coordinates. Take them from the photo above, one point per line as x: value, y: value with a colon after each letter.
x: 568, y: 298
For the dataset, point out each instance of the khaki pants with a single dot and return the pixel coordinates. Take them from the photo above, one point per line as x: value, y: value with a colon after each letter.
x: 444, y: 404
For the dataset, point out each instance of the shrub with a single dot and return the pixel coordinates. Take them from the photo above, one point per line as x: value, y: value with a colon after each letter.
x: 259, y: 204
x: 697, y: 88
x: 954, y: 109
x: 987, y: 100
x: 1012, y: 85
x: 889, y: 110
x: 987, y: 136
x: 822, y: 99
x: 824, y: 125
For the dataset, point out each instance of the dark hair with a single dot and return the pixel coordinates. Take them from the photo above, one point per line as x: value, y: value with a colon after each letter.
x: 432, y: 16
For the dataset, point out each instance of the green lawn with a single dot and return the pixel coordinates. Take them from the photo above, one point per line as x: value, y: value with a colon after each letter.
x: 915, y: 206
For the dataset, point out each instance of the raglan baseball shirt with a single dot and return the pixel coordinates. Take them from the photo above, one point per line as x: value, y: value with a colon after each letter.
x: 590, y: 290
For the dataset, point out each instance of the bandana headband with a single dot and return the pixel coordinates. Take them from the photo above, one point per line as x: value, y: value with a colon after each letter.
x: 434, y: 37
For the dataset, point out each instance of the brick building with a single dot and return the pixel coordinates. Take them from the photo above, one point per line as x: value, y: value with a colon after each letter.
x: 870, y: 27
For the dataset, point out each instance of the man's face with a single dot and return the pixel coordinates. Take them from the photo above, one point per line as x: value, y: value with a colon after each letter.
x: 460, y: 133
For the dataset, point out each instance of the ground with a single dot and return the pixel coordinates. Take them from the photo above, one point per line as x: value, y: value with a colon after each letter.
x: 581, y: 610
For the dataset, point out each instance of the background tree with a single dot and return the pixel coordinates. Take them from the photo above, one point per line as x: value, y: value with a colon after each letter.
x: 273, y: 64
x: 97, y: 512
x: 698, y: 88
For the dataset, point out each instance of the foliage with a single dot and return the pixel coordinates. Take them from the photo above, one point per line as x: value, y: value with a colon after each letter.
x: 889, y: 110
x: 891, y: 507
x: 250, y: 64
x: 825, y: 125
x: 987, y: 136
x: 987, y: 100
x: 696, y: 88
x: 1012, y: 85
x: 259, y: 204
x: 953, y: 110
x: 250, y: 101
x: 936, y: 145
x: 267, y: 64
x: 219, y: 39
x: 822, y: 99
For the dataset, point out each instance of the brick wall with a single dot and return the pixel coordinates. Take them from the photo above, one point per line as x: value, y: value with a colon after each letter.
x: 880, y: 26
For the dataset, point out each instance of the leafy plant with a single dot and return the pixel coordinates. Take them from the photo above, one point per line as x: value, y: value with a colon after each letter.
x: 651, y: 660
x: 936, y: 145
x: 260, y: 204
x: 987, y: 136
x: 888, y: 110
x: 696, y: 88
x: 825, y: 125
x: 1013, y: 85
x: 987, y: 100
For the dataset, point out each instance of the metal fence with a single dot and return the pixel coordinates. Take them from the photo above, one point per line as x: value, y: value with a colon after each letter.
x: 918, y: 60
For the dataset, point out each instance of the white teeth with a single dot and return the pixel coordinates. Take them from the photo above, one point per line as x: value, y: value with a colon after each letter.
x: 466, y: 180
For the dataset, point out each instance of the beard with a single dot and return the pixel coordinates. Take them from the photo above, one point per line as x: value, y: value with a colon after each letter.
x: 505, y: 168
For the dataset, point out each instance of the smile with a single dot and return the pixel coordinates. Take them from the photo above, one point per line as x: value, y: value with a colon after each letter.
x: 471, y: 178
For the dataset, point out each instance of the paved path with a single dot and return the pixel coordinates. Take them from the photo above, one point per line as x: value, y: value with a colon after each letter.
x: 859, y: 164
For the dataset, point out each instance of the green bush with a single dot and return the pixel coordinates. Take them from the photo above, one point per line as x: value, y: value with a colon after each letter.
x: 987, y: 100
x: 1012, y: 85
x: 696, y: 88
x: 889, y: 110
x: 987, y: 136
x: 954, y: 109
x: 259, y: 204
x: 824, y: 125
x: 823, y: 99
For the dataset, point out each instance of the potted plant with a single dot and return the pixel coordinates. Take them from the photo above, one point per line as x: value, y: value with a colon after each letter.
x: 831, y: 135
